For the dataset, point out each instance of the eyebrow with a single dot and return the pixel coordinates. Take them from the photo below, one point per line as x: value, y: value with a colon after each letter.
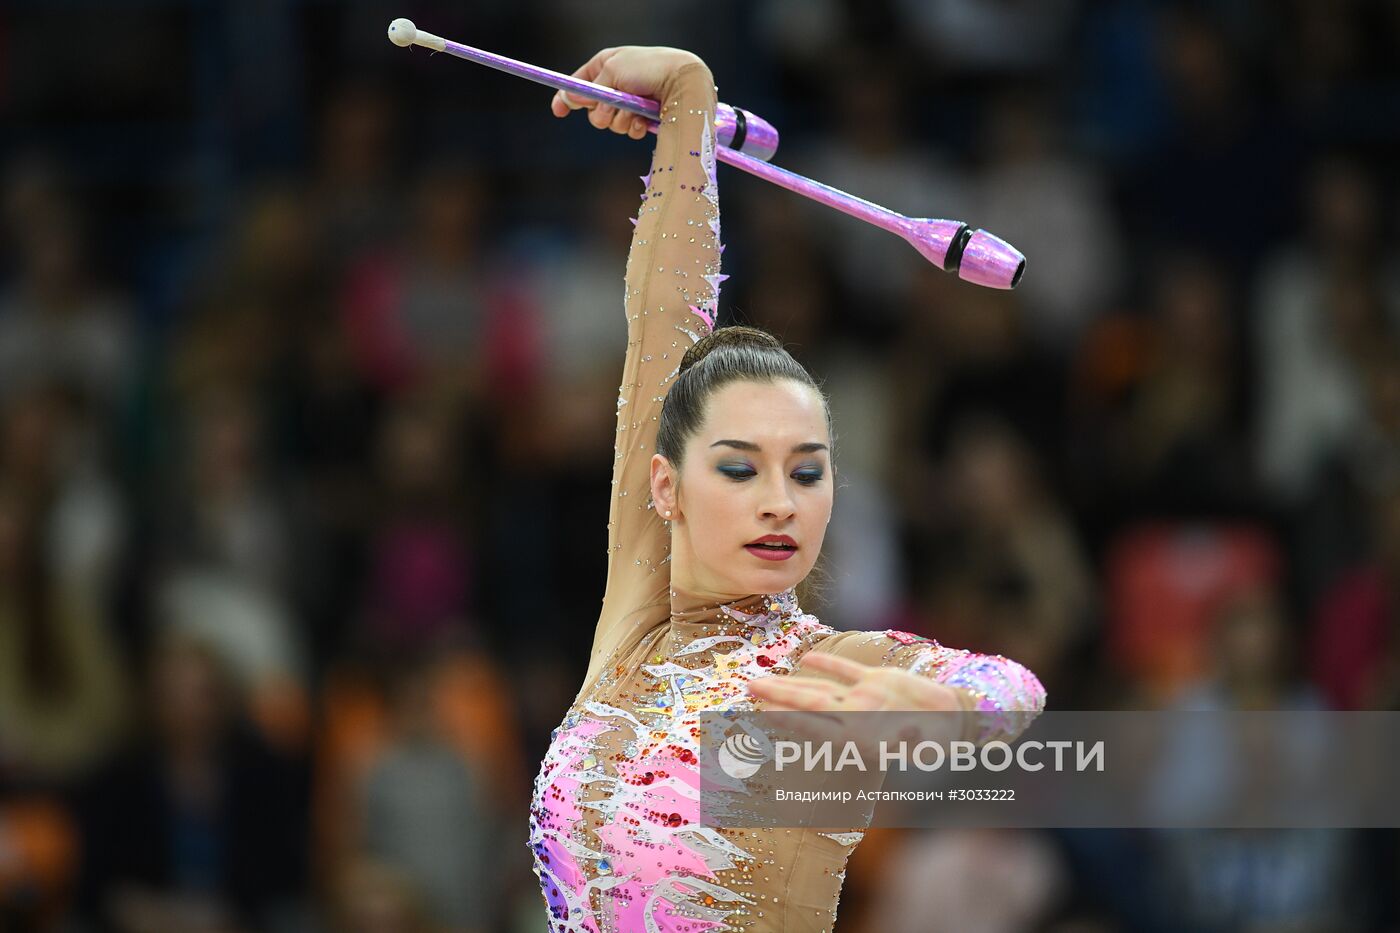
x: 807, y: 448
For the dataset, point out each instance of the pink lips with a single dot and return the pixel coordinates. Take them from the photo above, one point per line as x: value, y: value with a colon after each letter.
x: 772, y: 553
x: 765, y: 553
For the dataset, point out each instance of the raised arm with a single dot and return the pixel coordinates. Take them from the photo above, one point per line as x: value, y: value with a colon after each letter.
x: 671, y: 294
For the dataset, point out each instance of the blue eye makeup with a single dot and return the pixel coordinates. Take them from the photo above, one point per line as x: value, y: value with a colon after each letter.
x: 741, y: 473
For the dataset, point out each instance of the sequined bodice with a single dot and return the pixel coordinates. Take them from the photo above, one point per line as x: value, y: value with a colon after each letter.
x: 613, y: 822
x: 614, y: 826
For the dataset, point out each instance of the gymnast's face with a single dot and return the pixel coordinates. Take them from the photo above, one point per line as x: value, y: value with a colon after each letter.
x: 760, y: 464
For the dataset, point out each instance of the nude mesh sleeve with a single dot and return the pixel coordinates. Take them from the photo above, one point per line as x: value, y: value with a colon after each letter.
x: 671, y: 295
x: 1006, y: 693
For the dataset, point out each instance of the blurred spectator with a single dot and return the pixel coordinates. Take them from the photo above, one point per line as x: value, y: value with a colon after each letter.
x: 225, y: 511
x: 1221, y: 881
x: 1010, y: 524
x: 1262, y: 879
x: 254, y: 635
x: 1033, y: 193
x: 261, y: 288
x: 231, y: 548
x: 353, y: 195
x: 58, y: 323
x: 47, y: 455
x: 1333, y: 65
x: 964, y: 353
x: 1182, y: 432
x: 62, y: 692
x: 326, y: 440
x: 1160, y: 404
x: 1326, y: 332
x: 420, y: 583
x: 969, y: 881
x: 1163, y: 584
x: 371, y: 897
x: 1355, y: 644
x: 1326, y: 303
x: 38, y: 855
x: 426, y: 809
x: 1004, y: 573
x: 1118, y: 99
x: 982, y: 36
x: 1219, y: 177
x: 411, y: 739
x: 1254, y: 662
x: 583, y: 327
x: 800, y: 31
x: 873, y: 156
x: 433, y: 309
x: 199, y: 826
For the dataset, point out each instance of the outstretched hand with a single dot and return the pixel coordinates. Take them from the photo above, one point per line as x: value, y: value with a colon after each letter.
x: 857, y: 688
x: 636, y: 69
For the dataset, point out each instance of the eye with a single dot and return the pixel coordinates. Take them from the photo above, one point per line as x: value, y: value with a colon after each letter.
x: 739, y: 474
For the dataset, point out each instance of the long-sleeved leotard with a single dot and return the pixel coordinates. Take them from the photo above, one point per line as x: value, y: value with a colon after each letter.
x: 613, y: 828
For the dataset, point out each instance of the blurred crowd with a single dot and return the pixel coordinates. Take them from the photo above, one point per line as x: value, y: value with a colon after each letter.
x: 309, y: 352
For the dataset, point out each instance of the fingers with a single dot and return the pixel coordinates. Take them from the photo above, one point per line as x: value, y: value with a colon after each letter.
x: 591, y: 70
x: 813, y: 727
x: 562, y: 103
x: 844, y: 669
x: 796, y: 696
x: 601, y: 115
x: 869, y: 695
x: 830, y: 695
x: 621, y: 122
x: 797, y: 680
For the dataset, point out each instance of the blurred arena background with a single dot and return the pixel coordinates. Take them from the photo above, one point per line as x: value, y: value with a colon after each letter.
x: 309, y: 353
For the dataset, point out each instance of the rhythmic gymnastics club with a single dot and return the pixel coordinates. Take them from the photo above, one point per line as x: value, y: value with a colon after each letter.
x: 975, y: 255
x: 734, y: 128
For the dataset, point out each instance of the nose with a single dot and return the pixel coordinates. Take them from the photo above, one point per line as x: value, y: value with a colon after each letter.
x: 777, y: 502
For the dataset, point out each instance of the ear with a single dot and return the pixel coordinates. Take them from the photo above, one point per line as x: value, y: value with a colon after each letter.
x: 663, y: 487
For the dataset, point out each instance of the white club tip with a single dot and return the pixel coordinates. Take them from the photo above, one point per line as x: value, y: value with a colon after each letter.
x: 402, y: 32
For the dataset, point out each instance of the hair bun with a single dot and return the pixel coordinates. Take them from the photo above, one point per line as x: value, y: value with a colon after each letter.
x: 735, y: 335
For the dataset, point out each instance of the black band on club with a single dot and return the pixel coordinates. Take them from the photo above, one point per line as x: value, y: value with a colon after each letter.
x: 741, y: 128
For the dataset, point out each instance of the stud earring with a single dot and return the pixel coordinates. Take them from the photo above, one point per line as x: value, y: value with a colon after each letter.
x: 668, y: 513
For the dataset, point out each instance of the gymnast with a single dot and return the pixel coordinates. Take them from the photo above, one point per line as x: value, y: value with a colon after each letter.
x: 722, y: 489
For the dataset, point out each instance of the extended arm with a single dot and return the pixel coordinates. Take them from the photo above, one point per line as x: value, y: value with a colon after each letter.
x: 671, y: 293
x: 890, y: 670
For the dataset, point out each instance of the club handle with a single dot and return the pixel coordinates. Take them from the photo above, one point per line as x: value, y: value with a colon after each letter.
x: 734, y: 128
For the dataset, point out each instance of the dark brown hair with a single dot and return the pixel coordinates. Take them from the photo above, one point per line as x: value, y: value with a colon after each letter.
x: 729, y: 354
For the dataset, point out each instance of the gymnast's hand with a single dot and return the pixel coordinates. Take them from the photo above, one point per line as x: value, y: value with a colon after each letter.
x: 858, y: 688
x: 637, y: 69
